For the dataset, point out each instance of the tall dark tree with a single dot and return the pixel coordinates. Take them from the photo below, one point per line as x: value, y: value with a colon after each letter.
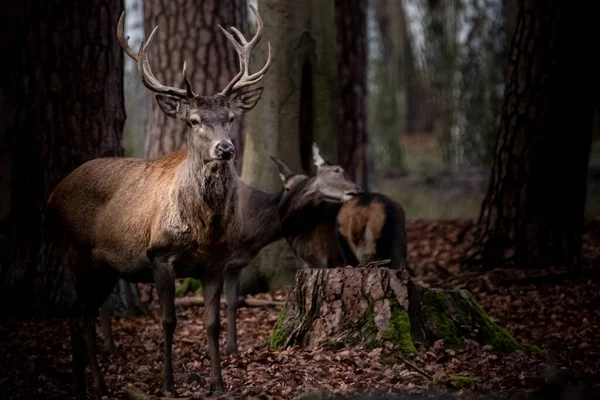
x: 532, y: 215
x: 69, y: 81
x: 189, y: 32
x: 351, y: 26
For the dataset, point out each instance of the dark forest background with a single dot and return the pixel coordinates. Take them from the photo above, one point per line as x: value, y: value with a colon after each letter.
x: 480, y: 111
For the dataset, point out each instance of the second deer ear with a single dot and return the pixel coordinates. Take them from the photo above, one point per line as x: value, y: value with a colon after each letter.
x: 317, y: 158
x: 282, y: 169
x: 242, y: 102
x: 170, y: 106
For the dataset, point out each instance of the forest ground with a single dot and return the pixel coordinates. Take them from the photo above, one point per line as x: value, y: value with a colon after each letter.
x: 553, y: 310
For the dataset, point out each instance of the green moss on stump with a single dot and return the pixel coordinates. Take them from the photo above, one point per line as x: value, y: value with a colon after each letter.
x: 278, y: 334
x: 398, y: 330
x: 446, y: 321
x: 443, y: 326
x: 490, y: 333
x: 188, y: 285
x: 369, y: 331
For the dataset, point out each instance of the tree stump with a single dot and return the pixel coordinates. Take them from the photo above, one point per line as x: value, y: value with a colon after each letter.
x: 369, y: 306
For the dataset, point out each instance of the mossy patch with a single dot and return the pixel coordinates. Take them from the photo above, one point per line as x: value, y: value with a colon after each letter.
x: 278, y: 334
x: 462, y: 380
x: 448, y: 314
x: 489, y: 332
x: 455, y: 381
x: 442, y: 325
x: 188, y: 285
x: 535, y: 349
x: 369, y: 331
x: 398, y: 330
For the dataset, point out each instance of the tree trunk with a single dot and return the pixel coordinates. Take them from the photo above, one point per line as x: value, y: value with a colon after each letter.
x: 349, y: 306
x: 387, y: 100
x: 510, y: 9
x: 532, y: 215
x: 189, y: 32
x: 297, y: 105
x: 9, y: 16
x: 351, y: 49
x: 70, y: 110
x: 136, y: 94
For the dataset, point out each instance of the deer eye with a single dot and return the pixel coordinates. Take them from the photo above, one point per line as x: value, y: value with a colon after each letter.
x: 195, y: 120
x: 231, y: 117
x: 337, y: 170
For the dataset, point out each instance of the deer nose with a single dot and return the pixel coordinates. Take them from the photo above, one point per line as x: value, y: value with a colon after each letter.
x: 357, y: 190
x: 224, y: 150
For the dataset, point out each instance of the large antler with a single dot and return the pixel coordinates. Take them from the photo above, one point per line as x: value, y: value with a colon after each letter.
x: 243, y: 48
x: 141, y: 59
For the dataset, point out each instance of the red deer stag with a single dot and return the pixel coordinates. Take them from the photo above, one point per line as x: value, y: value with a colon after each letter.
x: 157, y: 220
x: 330, y: 223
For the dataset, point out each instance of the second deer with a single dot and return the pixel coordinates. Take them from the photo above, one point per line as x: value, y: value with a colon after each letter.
x: 331, y: 223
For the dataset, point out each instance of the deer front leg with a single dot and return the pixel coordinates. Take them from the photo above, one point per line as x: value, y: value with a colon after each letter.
x: 232, y: 293
x: 212, y: 288
x: 164, y: 280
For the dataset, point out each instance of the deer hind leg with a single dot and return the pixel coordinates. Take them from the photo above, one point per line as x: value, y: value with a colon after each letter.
x: 83, y: 342
x: 89, y: 336
x: 232, y: 292
x: 106, y: 325
x: 93, y: 286
x: 164, y: 280
x: 78, y: 354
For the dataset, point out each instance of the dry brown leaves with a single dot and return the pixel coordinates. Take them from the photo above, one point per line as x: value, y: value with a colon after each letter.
x: 553, y: 310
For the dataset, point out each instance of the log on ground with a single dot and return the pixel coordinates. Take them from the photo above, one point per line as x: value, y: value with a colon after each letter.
x: 369, y: 306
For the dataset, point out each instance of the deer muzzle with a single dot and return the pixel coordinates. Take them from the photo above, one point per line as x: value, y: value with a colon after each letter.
x: 224, y: 150
x: 348, y: 194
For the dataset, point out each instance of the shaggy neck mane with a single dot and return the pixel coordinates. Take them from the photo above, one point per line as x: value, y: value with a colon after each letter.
x: 207, y: 195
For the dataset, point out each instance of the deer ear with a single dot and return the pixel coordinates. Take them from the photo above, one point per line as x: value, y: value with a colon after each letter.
x: 317, y: 158
x: 282, y: 169
x: 242, y: 102
x: 170, y: 105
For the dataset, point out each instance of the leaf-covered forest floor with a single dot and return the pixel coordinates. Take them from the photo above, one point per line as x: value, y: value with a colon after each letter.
x: 554, y: 314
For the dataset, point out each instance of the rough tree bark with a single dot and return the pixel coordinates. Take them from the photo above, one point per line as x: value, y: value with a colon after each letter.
x: 349, y: 306
x: 532, y: 215
x: 70, y: 110
x: 9, y: 15
x: 387, y: 102
x: 189, y: 32
x: 297, y: 106
x: 351, y: 49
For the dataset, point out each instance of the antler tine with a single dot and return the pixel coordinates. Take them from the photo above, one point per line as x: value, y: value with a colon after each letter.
x: 123, y: 39
x: 244, y: 49
x: 188, y: 84
x: 148, y: 78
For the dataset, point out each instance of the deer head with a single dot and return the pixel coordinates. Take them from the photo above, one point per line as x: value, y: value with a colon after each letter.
x: 208, y: 117
x: 331, y: 183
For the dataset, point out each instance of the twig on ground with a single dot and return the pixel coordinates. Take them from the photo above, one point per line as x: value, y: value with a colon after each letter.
x: 413, y: 366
